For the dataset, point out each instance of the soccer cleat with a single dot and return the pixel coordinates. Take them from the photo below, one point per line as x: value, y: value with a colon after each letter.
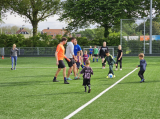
x: 14, y: 68
x: 114, y: 76
x: 120, y: 68
x: 116, y: 69
x: 76, y: 78
x: 144, y: 80
x: 11, y: 68
x: 65, y: 82
x: 107, y: 77
x: 89, y: 90
x: 85, y: 90
x: 141, y: 80
x: 103, y: 67
x: 69, y: 79
x: 54, y: 80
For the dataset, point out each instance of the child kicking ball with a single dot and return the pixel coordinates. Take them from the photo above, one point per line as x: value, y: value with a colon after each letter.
x: 111, y: 62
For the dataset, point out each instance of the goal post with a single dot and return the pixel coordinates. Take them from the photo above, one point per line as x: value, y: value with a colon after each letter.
x: 111, y: 50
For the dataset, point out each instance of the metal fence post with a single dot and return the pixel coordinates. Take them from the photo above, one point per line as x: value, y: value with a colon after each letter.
x: 121, y: 32
x: 144, y: 36
x: 37, y: 50
x: 19, y: 51
x: 150, y: 46
x: 3, y: 51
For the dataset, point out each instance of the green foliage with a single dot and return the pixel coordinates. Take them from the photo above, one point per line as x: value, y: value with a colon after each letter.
x: 81, y: 13
x: 34, y: 10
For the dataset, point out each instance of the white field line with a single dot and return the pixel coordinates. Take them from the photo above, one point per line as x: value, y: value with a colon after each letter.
x: 89, y: 102
x: 54, y: 67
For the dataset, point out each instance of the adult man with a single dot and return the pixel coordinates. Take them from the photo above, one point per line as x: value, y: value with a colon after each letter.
x: 59, y: 54
x: 76, y: 49
x: 103, y: 49
x: 71, y: 56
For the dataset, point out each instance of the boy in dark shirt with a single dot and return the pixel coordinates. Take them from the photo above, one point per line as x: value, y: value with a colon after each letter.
x: 110, y: 61
x: 142, y: 66
x: 87, y: 71
x: 119, y: 57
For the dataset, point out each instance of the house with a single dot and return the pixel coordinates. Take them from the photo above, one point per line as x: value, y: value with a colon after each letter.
x: 54, y: 32
x: 78, y: 35
x: 22, y: 31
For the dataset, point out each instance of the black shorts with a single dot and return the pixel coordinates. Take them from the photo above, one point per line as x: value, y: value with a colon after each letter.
x: 103, y: 56
x: 90, y: 53
x: 95, y: 55
x: 61, y: 64
x: 70, y: 64
x: 78, y: 64
x: 86, y: 82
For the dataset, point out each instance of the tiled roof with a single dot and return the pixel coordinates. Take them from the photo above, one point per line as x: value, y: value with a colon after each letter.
x: 22, y: 30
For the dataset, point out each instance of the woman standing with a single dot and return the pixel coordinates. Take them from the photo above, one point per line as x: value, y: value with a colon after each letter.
x: 14, y: 56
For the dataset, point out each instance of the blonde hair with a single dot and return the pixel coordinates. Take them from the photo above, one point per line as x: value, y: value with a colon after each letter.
x: 119, y: 46
x: 14, y: 44
x: 87, y: 62
x: 141, y: 55
x: 85, y: 51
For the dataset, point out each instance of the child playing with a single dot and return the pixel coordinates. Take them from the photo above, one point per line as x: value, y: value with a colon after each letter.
x: 87, y: 71
x: 142, y: 66
x: 95, y: 53
x: 85, y: 57
x: 78, y: 63
x: 119, y: 57
x: 110, y: 61
x: 90, y: 52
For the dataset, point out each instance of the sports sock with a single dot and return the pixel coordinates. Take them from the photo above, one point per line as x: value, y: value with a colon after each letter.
x: 65, y: 79
x: 97, y: 60
x: 82, y: 66
x: 89, y: 86
x: 85, y: 88
x: 55, y: 78
x: 93, y: 59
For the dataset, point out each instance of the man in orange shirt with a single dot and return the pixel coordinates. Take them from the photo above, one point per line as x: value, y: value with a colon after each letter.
x: 59, y: 54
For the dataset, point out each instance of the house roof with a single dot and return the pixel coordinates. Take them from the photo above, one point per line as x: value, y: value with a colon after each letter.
x: 53, y: 31
x: 21, y: 30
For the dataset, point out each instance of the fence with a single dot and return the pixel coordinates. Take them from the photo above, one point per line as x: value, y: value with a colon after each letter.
x: 135, y: 36
x: 39, y: 51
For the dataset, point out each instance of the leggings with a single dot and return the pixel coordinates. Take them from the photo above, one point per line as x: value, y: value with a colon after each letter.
x: 14, y: 61
x: 120, y: 63
x: 140, y: 74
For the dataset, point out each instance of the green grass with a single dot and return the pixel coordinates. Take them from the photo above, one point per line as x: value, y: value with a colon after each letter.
x: 29, y: 93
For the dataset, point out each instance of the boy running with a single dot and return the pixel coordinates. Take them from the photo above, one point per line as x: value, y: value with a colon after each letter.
x: 110, y: 61
x: 119, y: 57
x: 95, y: 53
x: 59, y: 54
x: 87, y: 71
x: 142, y: 66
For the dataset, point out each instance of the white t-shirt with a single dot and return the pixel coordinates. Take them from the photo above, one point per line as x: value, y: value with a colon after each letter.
x: 69, y: 50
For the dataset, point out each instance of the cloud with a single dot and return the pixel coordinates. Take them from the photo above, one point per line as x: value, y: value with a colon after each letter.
x: 17, y: 20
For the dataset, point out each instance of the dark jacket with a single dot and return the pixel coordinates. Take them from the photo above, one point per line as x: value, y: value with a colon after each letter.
x: 110, y: 60
x: 142, y: 65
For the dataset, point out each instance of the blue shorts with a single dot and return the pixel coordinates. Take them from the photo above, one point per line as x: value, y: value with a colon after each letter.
x: 78, y: 64
x: 90, y: 53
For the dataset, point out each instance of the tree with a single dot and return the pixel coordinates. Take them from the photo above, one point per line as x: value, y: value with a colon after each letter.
x: 106, y: 13
x: 34, y: 10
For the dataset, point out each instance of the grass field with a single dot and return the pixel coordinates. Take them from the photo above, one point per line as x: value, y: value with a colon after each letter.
x: 29, y: 93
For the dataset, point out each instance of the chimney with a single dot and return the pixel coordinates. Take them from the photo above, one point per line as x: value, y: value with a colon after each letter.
x: 48, y: 28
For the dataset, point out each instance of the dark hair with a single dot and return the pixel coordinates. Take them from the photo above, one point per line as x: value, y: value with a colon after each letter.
x: 106, y: 51
x: 63, y: 39
x: 78, y: 52
x: 73, y: 38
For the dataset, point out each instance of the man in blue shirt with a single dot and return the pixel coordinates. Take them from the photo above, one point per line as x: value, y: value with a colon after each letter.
x: 76, y: 49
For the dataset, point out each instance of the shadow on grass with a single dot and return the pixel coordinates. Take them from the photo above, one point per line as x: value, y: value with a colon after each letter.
x: 139, y: 82
x: 8, y: 84
x: 56, y: 94
x: 36, y: 76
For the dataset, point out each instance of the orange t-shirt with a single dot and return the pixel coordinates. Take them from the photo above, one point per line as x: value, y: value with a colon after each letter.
x: 60, y: 49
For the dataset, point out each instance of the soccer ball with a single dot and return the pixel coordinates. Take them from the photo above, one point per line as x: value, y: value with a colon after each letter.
x: 110, y: 75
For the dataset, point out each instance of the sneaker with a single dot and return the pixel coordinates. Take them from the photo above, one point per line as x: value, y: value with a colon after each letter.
x: 14, y: 68
x: 121, y: 69
x: 76, y: 78
x: 65, y: 82
x: 11, y: 68
x: 89, y: 90
x: 103, y: 67
x: 55, y: 80
x: 144, y: 80
x: 141, y: 80
x: 107, y: 77
x: 69, y: 79
x: 114, y: 76
x: 85, y: 90
x: 116, y: 69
